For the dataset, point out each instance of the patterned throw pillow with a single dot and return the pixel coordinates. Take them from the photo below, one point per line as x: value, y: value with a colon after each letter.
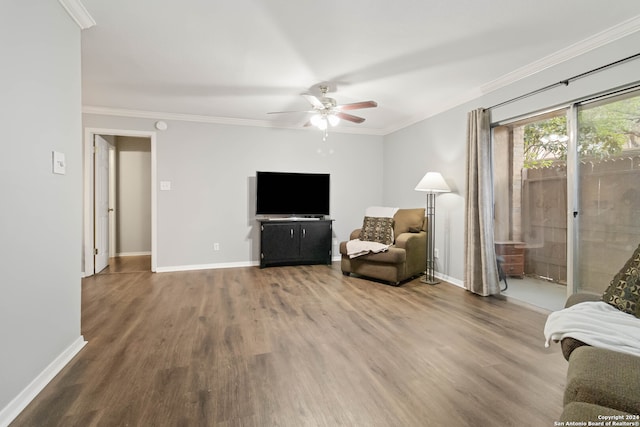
x: 377, y: 229
x: 624, y: 290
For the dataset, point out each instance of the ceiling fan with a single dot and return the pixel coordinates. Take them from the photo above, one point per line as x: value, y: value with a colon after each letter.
x: 326, y: 111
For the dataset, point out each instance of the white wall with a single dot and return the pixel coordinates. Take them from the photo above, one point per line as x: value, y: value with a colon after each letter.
x: 133, y: 195
x: 40, y: 218
x: 439, y: 143
x: 212, y: 168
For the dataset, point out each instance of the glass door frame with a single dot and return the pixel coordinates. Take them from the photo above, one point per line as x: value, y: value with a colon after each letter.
x: 573, y: 201
x: 573, y: 172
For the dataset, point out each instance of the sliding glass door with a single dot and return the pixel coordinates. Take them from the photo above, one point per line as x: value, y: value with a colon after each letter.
x: 530, y: 188
x: 608, y: 225
x: 567, y: 190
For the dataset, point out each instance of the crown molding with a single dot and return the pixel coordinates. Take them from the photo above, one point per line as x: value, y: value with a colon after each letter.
x: 454, y: 102
x: 156, y: 115
x: 78, y: 13
x: 600, y: 39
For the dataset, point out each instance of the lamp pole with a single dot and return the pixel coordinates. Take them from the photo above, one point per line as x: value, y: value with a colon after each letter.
x: 429, y: 275
x: 432, y: 183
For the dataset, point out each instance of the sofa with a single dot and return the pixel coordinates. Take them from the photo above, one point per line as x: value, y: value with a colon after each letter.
x: 406, y: 256
x: 603, y: 379
x: 602, y: 385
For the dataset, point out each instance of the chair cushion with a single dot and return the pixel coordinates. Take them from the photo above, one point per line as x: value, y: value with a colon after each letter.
x: 377, y: 229
x: 624, y: 290
x: 392, y: 256
x: 408, y: 221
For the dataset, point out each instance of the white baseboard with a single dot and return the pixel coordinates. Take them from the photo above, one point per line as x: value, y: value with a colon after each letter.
x: 206, y: 266
x: 194, y: 267
x: 125, y: 254
x: 450, y: 279
x: 17, y: 405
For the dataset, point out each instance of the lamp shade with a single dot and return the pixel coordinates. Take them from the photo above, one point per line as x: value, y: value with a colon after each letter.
x: 433, y: 182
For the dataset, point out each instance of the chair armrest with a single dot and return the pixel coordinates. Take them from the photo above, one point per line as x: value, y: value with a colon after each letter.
x: 409, y: 241
x: 569, y: 344
x: 582, y: 297
x: 343, y: 245
x: 415, y: 246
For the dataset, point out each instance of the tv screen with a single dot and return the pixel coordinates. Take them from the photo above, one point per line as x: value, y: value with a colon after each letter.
x: 293, y: 194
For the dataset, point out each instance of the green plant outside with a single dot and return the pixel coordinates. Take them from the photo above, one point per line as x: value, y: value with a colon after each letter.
x: 603, y: 131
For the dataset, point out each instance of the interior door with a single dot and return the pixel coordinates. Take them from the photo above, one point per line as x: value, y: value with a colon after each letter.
x: 101, y: 203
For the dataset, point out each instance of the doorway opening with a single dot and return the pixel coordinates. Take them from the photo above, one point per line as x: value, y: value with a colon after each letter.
x: 120, y: 201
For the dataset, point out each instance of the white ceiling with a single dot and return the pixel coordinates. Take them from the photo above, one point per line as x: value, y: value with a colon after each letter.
x: 235, y: 60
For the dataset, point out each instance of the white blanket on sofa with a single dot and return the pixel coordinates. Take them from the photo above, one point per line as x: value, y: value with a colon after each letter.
x: 359, y: 247
x: 595, y: 323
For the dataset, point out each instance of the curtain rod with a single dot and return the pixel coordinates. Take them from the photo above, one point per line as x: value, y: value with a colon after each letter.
x: 566, y: 82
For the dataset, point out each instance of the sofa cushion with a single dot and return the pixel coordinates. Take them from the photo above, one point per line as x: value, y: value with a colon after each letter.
x: 377, y: 229
x: 604, y: 377
x: 408, y: 221
x: 624, y: 290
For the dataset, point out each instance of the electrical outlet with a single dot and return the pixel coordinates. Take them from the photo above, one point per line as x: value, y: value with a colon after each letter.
x: 216, y: 246
x: 436, y: 253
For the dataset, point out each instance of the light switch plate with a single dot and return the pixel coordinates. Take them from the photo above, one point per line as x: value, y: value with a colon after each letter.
x: 59, y: 163
x: 165, y: 185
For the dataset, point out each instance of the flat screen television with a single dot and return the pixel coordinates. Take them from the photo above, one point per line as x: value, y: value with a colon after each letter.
x: 292, y: 194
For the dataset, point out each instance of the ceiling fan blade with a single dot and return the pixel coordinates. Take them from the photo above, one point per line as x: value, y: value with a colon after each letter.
x: 313, y: 100
x: 350, y: 117
x: 357, y: 105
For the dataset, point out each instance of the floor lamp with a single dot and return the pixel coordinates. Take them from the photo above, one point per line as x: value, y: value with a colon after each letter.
x: 432, y: 183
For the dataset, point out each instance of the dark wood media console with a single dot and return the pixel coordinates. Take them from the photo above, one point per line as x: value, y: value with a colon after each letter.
x: 292, y: 242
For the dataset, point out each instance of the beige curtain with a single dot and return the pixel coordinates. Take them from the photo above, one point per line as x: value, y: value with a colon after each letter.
x: 481, y: 271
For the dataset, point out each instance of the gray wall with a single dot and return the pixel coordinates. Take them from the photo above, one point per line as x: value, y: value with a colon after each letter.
x: 439, y: 143
x: 133, y: 195
x: 212, y: 168
x: 40, y: 219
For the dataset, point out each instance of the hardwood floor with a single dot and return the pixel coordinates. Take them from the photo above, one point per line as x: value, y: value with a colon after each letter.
x: 300, y: 346
x: 128, y: 264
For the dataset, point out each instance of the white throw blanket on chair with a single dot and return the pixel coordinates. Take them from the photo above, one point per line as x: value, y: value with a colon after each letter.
x: 359, y: 247
x: 595, y: 323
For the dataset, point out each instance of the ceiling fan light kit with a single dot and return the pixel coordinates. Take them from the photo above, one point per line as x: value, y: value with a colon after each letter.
x: 322, y: 120
x: 327, y: 112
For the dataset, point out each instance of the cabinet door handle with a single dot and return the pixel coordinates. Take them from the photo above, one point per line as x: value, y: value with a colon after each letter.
x: 304, y: 233
x: 291, y: 233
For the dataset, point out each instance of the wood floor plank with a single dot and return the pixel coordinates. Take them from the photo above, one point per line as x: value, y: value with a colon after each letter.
x: 299, y: 346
